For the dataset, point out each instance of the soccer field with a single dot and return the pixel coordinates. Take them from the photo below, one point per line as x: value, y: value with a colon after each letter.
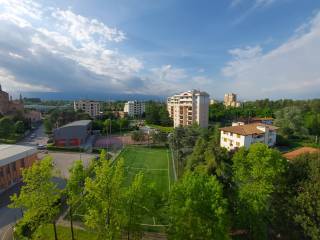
x: 155, y: 163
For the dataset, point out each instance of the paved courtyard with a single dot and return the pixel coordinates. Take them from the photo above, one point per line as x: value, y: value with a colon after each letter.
x: 64, y: 160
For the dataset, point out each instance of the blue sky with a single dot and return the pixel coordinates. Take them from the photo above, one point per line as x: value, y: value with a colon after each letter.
x: 256, y: 48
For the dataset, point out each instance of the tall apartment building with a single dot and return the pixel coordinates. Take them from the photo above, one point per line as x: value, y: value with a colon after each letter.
x: 88, y: 106
x: 134, y: 108
x: 230, y: 100
x: 188, y: 108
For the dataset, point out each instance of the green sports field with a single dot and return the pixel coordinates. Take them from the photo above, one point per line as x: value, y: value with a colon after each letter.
x: 155, y: 163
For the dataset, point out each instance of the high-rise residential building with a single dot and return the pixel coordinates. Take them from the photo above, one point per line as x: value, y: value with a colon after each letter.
x: 188, y: 108
x: 88, y: 106
x: 134, y: 108
x: 230, y: 100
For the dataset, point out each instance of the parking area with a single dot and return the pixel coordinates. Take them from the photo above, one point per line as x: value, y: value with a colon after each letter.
x: 64, y: 160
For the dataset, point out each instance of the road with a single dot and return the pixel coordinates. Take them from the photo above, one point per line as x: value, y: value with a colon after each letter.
x: 36, y: 137
x: 8, y: 216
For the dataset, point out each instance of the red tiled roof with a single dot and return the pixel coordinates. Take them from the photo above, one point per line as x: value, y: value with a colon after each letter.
x: 247, y: 129
x: 303, y: 150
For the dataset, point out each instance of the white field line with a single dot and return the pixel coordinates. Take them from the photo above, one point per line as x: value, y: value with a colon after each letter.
x: 173, y: 165
x: 151, y: 169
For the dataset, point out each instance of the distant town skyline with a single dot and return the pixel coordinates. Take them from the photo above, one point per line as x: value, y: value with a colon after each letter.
x: 56, y: 49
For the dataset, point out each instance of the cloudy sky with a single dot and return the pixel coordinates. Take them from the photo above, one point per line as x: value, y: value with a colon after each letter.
x: 256, y: 48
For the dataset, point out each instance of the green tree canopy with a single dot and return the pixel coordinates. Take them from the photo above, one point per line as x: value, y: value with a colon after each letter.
x: 38, y: 198
x: 256, y: 173
x: 103, y: 200
x: 197, y: 209
x: 6, y: 127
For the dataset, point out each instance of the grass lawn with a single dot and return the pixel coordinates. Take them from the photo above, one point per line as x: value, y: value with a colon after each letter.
x: 153, y: 162
x: 161, y: 128
x: 64, y: 233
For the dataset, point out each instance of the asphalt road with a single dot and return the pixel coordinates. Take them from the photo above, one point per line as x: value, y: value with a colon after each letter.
x: 36, y: 137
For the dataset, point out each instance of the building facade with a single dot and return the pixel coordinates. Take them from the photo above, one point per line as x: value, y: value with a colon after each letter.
x: 134, y: 108
x: 188, y: 108
x: 230, y: 100
x: 243, y: 135
x: 73, y: 134
x: 9, y: 106
x: 13, y: 158
x: 90, y: 107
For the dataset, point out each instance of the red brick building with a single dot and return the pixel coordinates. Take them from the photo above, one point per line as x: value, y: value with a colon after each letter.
x: 12, y: 159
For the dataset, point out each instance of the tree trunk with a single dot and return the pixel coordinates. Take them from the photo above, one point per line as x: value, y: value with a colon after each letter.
x: 71, y: 223
x: 55, y: 230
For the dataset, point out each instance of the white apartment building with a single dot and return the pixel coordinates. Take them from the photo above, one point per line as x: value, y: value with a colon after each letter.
x: 243, y: 135
x: 230, y: 100
x: 188, y: 108
x: 88, y: 106
x: 134, y: 108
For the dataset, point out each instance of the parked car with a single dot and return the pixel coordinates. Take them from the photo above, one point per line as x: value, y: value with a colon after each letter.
x: 41, y: 147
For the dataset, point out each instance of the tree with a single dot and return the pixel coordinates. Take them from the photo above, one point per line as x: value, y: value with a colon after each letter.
x: 107, y: 126
x: 256, y: 173
x: 138, y: 203
x: 38, y: 198
x: 307, y: 196
x: 159, y: 137
x: 103, y: 199
x: 138, y: 136
x: 48, y: 125
x: 291, y: 123
x: 6, y: 127
x: 164, y: 117
x: 19, y: 127
x: 75, y: 188
x: 197, y: 157
x: 197, y: 209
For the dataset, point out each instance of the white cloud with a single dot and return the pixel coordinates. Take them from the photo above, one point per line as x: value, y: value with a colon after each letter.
x: 291, y: 68
x: 83, y: 29
x: 15, y: 55
x: 11, y: 84
x: 66, y: 36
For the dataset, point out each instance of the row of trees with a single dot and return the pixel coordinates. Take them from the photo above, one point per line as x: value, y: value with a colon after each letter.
x: 110, y: 207
x: 266, y: 196
x: 57, y: 118
x: 9, y: 127
x: 262, y: 197
x: 156, y: 113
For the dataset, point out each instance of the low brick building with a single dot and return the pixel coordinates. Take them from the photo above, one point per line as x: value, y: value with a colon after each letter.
x: 12, y: 159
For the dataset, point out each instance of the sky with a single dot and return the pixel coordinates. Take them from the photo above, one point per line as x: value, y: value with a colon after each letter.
x: 119, y: 48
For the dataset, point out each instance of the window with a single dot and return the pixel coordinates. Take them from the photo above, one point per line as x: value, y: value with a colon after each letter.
x: 231, y: 134
x: 238, y: 144
x: 8, y: 169
x: 225, y: 140
x: 238, y: 136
